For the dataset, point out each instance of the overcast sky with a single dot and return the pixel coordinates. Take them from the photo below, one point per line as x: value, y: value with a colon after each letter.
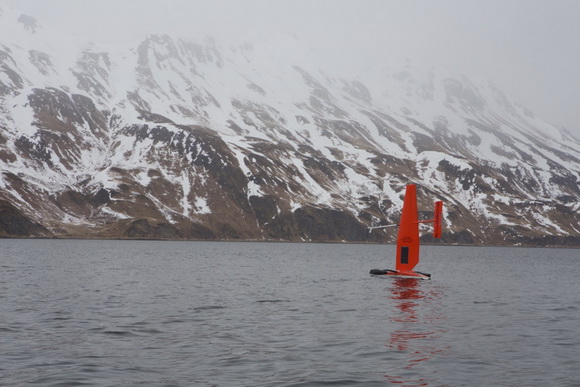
x: 529, y: 48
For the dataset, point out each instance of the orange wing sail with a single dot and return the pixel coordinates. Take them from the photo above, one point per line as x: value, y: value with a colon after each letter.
x: 408, y: 237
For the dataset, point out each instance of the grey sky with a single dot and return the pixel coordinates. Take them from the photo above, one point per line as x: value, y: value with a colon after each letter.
x: 528, y: 48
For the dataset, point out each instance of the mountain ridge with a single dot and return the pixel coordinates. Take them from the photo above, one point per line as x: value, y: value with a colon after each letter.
x: 185, y: 139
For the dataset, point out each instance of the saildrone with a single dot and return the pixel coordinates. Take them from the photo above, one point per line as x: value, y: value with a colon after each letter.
x: 408, y: 238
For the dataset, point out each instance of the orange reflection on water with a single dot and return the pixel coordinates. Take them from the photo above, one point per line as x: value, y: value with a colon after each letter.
x: 415, y: 301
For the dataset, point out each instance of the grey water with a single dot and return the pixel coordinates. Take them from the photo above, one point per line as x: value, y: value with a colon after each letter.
x: 124, y: 313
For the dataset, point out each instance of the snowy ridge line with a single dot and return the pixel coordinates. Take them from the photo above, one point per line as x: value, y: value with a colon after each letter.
x: 176, y: 129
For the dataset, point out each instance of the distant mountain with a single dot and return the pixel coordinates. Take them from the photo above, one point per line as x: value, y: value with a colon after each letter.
x: 188, y: 139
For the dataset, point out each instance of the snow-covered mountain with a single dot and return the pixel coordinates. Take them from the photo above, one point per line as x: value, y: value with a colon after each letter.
x: 187, y: 138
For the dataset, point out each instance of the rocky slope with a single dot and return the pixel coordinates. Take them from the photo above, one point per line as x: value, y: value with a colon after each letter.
x: 187, y: 138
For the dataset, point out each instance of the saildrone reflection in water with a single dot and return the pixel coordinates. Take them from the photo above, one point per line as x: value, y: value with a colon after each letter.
x: 413, y: 329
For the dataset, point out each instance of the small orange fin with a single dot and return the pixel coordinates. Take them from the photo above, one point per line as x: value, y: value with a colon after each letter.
x: 438, y: 215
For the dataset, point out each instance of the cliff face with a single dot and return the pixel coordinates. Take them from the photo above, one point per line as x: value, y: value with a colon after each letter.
x: 176, y: 138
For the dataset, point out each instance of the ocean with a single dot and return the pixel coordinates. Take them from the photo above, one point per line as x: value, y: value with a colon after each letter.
x: 157, y: 313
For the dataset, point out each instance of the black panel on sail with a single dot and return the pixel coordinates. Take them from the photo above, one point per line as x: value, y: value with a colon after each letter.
x: 404, y: 255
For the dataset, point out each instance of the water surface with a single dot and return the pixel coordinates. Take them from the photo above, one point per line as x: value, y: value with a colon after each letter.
x: 123, y: 313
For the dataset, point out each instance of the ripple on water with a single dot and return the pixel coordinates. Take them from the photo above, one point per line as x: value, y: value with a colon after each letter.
x: 112, y: 315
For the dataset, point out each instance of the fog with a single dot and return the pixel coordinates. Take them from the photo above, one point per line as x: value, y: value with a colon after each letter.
x: 528, y: 48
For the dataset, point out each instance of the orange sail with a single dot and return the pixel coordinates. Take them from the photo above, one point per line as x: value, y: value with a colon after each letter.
x: 408, y: 237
